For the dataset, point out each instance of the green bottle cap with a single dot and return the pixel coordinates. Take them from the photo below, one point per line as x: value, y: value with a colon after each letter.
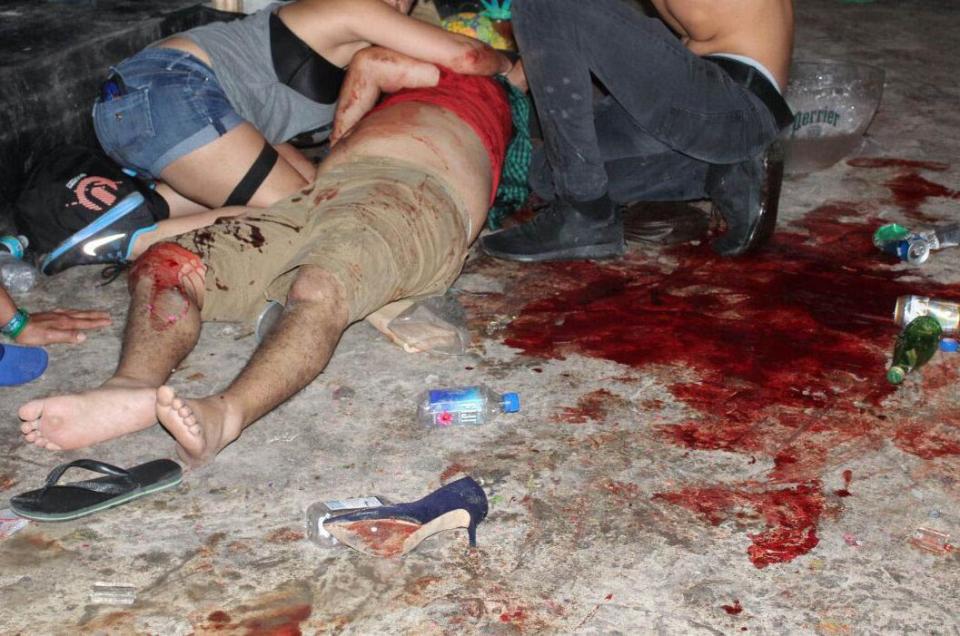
x: 889, y: 233
x: 895, y: 375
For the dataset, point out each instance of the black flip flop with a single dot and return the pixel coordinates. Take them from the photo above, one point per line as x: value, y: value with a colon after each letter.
x: 81, y: 498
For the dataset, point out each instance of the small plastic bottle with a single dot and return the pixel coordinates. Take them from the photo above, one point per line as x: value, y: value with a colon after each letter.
x: 16, y: 274
x: 915, y: 346
x: 320, y: 511
x: 464, y: 406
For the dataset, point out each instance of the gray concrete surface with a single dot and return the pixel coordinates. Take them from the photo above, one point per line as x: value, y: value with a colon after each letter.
x: 637, y: 492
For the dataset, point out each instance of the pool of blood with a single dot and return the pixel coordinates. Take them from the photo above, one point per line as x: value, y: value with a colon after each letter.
x: 789, y: 349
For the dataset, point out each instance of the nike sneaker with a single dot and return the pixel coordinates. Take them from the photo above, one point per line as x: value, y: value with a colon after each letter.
x: 108, y: 240
x: 79, y: 207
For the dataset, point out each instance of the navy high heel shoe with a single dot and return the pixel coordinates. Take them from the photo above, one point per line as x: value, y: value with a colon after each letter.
x: 394, y: 530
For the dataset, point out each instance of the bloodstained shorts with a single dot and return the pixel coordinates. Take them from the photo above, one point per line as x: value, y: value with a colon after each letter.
x: 384, y: 228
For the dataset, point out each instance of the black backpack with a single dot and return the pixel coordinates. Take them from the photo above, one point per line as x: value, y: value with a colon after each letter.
x: 69, y: 190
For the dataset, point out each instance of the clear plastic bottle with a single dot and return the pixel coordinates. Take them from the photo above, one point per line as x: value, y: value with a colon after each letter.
x: 16, y: 274
x: 464, y: 406
x: 320, y: 511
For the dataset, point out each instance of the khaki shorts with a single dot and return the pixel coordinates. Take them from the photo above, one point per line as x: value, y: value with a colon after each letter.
x: 384, y: 228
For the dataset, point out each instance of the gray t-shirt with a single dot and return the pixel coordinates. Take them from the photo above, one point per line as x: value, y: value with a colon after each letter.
x: 240, y: 54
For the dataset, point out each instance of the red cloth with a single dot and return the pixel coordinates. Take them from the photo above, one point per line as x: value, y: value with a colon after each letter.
x: 480, y: 101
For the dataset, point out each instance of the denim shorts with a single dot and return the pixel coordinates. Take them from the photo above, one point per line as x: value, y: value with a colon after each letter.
x: 171, y: 104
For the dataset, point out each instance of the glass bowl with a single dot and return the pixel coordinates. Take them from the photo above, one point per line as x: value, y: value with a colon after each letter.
x: 833, y: 104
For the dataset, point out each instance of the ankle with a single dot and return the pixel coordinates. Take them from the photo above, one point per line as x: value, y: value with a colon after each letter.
x: 230, y: 413
x: 598, y: 209
x: 120, y: 381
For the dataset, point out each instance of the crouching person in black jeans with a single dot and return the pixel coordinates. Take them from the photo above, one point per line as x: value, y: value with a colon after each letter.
x: 683, y: 118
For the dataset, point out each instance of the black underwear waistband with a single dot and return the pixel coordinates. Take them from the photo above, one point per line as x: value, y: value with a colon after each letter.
x: 755, y: 82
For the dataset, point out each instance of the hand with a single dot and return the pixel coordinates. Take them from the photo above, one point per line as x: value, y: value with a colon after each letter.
x: 517, y: 76
x: 61, y: 326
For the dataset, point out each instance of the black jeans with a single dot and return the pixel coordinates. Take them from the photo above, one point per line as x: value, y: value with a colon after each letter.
x: 668, y: 114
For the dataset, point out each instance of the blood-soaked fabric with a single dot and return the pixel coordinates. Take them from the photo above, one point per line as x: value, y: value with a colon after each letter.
x: 480, y: 101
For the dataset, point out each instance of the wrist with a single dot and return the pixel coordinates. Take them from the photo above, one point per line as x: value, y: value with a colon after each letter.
x: 15, y: 326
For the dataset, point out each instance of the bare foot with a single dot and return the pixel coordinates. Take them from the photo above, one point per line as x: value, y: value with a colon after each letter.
x: 65, y: 422
x: 202, y: 427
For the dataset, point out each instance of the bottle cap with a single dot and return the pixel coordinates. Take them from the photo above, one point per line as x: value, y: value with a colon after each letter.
x: 895, y: 375
x: 511, y: 402
x: 949, y: 345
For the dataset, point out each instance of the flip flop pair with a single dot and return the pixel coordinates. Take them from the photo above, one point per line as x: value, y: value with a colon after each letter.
x: 78, y: 499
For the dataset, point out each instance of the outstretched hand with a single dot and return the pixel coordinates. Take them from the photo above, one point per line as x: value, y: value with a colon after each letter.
x: 62, y: 326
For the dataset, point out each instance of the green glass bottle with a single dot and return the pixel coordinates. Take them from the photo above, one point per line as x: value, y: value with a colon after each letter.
x: 916, y: 344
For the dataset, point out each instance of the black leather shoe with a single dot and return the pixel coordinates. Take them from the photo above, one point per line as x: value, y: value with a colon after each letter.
x: 747, y: 195
x: 561, y: 232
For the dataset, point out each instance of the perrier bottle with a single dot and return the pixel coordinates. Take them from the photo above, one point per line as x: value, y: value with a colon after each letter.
x: 916, y: 344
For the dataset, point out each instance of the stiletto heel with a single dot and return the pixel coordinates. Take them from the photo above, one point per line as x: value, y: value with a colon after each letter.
x: 395, y: 530
x: 472, y: 533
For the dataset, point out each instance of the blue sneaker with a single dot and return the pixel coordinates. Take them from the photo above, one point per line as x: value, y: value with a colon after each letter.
x: 19, y: 365
x: 108, y: 239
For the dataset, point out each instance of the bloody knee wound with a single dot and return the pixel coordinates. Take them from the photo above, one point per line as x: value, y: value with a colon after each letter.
x: 166, y: 265
x: 163, y: 264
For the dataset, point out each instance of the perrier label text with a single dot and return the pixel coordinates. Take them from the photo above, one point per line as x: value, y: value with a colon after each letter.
x: 823, y: 116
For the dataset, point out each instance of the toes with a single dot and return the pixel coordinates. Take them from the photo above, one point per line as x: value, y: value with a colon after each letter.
x: 31, y: 436
x: 31, y: 411
x: 29, y: 427
x: 165, y: 396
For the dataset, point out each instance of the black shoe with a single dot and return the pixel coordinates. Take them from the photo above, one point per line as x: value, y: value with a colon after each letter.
x: 747, y: 195
x: 564, y: 231
x: 108, y: 239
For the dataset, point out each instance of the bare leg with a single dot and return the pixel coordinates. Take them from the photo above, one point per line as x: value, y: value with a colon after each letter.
x: 209, y: 174
x: 179, y: 205
x: 298, y: 160
x: 162, y: 328
x: 289, y: 359
x: 292, y: 172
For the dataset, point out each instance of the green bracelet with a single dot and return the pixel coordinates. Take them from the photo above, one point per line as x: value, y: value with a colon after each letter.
x: 16, y: 325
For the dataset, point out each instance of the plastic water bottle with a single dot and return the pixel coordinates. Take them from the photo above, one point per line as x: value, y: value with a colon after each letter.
x: 320, y: 511
x: 17, y: 275
x: 915, y: 247
x: 915, y: 346
x: 464, y: 406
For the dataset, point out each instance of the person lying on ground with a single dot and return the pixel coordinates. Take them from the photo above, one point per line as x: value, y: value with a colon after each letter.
x: 208, y: 112
x: 390, y: 216
x: 57, y: 326
x: 691, y: 108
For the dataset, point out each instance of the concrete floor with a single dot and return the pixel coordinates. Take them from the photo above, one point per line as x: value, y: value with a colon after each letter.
x: 705, y: 446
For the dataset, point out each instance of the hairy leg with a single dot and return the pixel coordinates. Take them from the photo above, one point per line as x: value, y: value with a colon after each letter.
x: 295, y: 352
x: 163, y: 324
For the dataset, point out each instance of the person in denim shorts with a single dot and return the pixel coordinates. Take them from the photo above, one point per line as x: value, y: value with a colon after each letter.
x: 207, y: 113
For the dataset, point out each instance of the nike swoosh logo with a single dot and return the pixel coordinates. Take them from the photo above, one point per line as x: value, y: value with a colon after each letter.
x: 90, y: 249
